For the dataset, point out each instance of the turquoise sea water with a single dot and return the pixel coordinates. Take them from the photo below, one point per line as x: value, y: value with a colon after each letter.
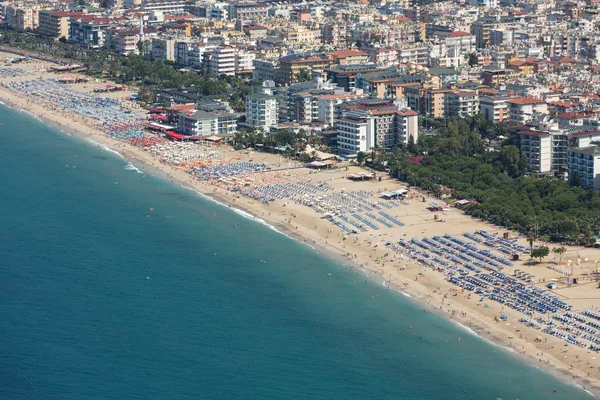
x: 101, y: 298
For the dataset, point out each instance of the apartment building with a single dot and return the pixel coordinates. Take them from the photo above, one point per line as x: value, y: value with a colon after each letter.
x: 461, y: 104
x: 262, y: 110
x: 89, y: 30
x: 291, y: 66
x: 523, y: 109
x: 24, y: 16
x: 172, y: 7
x: 295, y: 35
x: 545, y: 145
x: 537, y: 146
x: 265, y: 70
x: 318, y: 105
x: 371, y: 122
x: 222, y: 61
x: 349, y: 57
x: 494, y: 108
x: 55, y: 24
x: 382, y: 56
x: 163, y: 49
x: 417, y: 54
x: 585, y: 163
x: 248, y: 11
x: 458, y: 45
x: 426, y: 101
x: 244, y: 61
x: 191, y: 54
x: 355, y: 133
x: 206, y: 123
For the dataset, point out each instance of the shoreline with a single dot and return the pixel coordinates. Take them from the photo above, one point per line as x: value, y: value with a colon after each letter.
x: 479, y: 325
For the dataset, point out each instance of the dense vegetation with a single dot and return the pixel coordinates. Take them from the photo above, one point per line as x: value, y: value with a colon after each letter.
x: 291, y: 144
x: 134, y: 69
x: 456, y: 157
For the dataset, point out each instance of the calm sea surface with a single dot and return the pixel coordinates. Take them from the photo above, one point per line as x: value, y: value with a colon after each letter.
x: 102, y: 298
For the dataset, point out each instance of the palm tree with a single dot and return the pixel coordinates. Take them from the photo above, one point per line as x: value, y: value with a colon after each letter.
x: 531, y: 239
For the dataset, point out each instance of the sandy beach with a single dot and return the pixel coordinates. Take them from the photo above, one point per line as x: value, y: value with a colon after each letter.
x: 366, y: 250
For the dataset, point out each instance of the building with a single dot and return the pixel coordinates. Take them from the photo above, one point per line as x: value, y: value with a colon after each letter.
x: 295, y: 35
x: 318, y: 105
x: 206, y: 123
x: 55, y: 24
x: 24, y: 16
x: 584, y: 166
x: 369, y: 122
x: 458, y: 45
x: 426, y: 101
x: 291, y: 67
x: 523, y: 109
x: 163, y: 49
x: 222, y: 61
x: 217, y: 12
x: 461, y: 104
x: 248, y: 11
x: 191, y: 54
x: 537, y: 146
x: 172, y: 7
x: 545, y: 145
x: 89, y: 30
x: 262, y: 110
x: 349, y: 57
x: 382, y: 56
x: 494, y: 108
x: 417, y: 54
x: 244, y: 61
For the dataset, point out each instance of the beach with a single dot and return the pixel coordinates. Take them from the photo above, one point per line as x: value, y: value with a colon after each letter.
x: 366, y: 250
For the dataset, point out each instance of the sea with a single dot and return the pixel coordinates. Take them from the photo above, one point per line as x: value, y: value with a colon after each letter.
x: 118, y: 284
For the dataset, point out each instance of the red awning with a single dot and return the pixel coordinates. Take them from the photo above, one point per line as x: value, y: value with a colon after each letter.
x: 161, y: 117
x: 156, y: 110
x: 177, y: 136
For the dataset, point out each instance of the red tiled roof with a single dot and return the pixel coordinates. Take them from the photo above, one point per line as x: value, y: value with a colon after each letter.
x: 534, y: 133
x: 525, y: 100
x: 568, y: 60
x: 518, y: 63
x: 59, y: 14
x: 459, y: 33
x: 169, y: 17
x: 583, y: 133
x: 572, y: 114
x: 346, y: 53
x: 561, y: 103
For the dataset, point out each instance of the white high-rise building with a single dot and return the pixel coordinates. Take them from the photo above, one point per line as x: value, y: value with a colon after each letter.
x: 222, y: 61
x: 585, y: 162
x: 262, y: 110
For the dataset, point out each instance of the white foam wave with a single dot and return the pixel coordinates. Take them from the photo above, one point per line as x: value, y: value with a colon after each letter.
x: 471, y: 331
x: 236, y: 210
x: 406, y: 294
x: 104, y: 147
x: 131, y: 167
x: 587, y: 391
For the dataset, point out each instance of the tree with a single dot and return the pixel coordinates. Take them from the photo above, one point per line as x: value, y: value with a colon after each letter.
x: 509, y: 156
x: 473, y: 60
x: 576, y: 179
x: 559, y: 251
x: 540, y: 252
x: 361, y: 157
x: 304, y: 75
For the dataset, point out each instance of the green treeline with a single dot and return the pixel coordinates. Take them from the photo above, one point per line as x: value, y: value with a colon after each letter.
x: 455, y: 157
